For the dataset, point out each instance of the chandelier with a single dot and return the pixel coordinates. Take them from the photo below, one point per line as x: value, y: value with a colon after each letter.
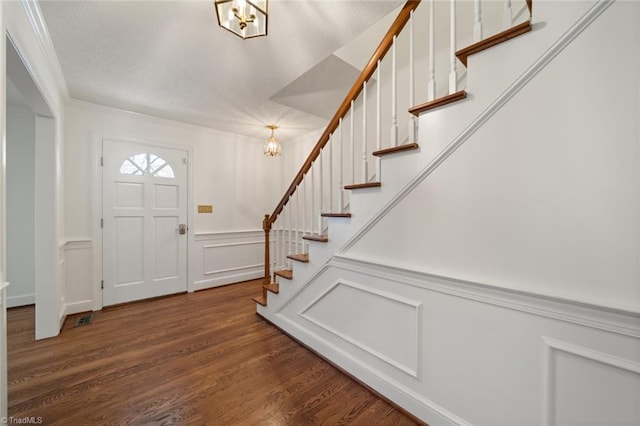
x: 272, y: 147
x: 244, y: 18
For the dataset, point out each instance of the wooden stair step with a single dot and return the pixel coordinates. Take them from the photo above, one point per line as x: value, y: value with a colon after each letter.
x: 437, y: 103
x: 512, y: 32
x: 285, y: 273
x: 363, y: 185
x: 394, y: 149
x: 300, y: 257
x: 261, y: 299
x: 315, y: 237
x: 273, y: 287
x: 335, y: 214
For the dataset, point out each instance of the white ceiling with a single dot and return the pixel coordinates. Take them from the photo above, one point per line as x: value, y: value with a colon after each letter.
x: 170, y: 59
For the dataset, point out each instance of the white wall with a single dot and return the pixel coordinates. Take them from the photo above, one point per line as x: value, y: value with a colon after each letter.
x: 20, y: 175
x: 230, y: 172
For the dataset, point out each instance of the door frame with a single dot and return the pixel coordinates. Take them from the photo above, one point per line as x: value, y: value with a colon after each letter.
x: 96, y: 205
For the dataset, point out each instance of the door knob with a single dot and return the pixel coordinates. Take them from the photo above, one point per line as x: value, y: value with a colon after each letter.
x: 182, y: 229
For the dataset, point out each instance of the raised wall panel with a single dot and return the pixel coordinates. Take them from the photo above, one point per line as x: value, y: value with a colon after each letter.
x: 386, y: 326
x: 129, y: 242
x: 129, y: 195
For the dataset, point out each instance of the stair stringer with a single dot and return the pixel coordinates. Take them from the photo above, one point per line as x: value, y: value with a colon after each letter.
x: 400, y: 175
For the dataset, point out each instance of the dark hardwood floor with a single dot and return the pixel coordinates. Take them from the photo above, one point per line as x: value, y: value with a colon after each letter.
x: 193, y: 359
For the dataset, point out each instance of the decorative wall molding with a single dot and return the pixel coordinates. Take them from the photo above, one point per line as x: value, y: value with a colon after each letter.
x: 551, y: 346
x: 411, y: 370
x: 40, y: 30
x: 224, y: 235
x: 77, y: 245
x: 545, y: 59
x: 241, y: 243
x: 248, y: 274
x: 590, y: 315
x: 376, y: 379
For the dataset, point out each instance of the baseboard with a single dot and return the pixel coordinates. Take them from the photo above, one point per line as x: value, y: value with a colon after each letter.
x: 77, y: 307
x: 15, y: 301
x: 227, y: 279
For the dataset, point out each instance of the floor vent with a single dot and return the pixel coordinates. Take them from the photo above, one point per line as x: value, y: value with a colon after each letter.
x: 84, y: 320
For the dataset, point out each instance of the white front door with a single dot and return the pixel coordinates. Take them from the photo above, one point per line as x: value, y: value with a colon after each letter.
x: 145, y: 214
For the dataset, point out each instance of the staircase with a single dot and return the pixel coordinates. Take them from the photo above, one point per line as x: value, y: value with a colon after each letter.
x: 484, y: 269
x: 313, y: 205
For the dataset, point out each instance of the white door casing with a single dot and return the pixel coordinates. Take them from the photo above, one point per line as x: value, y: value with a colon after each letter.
x: 144, y: 204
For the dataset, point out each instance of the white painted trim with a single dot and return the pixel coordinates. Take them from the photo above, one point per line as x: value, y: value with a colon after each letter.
x: 4, y: 285
x: 591, y: 315
x: 413, y: 372
x: 549, y: 369
x: 77, y: 245
x: 96, y: 214
x: 39, y: 27
x: 23, y: 300
x: 598, y: 8
x: 240, y: 243
x: 205, y: 236
x: 227, y: 279
x: 399, y: 393
x: 238, y: 268
x: 77, y: 307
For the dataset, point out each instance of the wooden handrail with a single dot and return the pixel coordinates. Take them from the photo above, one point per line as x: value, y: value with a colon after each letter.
x: 365, y: 75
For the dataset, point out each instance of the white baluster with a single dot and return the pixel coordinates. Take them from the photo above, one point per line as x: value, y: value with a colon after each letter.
x: 321, y: 190
x: 394, y: 96
x: 378, y: 123
x: 275, y: 249
x: 298, y: 237
x: 313, y: 196
x: 507, y: 15
x: 477, y: 21
x: 304, y: 212
x: 453, y: 77
x: 331, y: 173
x: 365, y: 172
x: 431, y: 85
x: 412, y: 118
x: 341, y: 180
x: 289, y: 227
x: 352, y: 145
x: 283, y: 253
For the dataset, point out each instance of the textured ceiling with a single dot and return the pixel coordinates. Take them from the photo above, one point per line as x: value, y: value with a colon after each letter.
x: 170, y: 59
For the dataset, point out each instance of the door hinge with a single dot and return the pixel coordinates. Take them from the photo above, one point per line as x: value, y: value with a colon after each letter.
x: 101, y: 223
x: 102, y: 161
x: 102, y: 284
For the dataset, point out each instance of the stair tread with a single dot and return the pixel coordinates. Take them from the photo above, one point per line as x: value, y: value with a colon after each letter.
x: 437, y: 103
x: 273, y: 287
x: 261, y: 300
x: 285, y: 273
x: 363, y: 185
x: 300, y: 257
x: 501, y: 37
x: 394, y: 149
x: 316, y: 237
x: 335, y: 214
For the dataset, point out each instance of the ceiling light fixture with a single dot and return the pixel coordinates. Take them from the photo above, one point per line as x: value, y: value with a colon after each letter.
x: 244, y: 18
x: 272, y: 147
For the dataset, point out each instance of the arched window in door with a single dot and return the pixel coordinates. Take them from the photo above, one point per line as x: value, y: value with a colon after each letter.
x: 146, y: 163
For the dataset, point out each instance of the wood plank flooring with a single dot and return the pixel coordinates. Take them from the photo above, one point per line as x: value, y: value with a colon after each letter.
x: 203, y: 358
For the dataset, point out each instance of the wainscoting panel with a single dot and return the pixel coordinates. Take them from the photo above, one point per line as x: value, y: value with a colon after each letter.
x: 77, y: 273
x: 464, y: 352
x: 226, y: 257
x: 351, y: 312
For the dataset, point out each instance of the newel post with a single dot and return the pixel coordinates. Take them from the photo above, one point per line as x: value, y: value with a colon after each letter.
x: 266, y: 225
